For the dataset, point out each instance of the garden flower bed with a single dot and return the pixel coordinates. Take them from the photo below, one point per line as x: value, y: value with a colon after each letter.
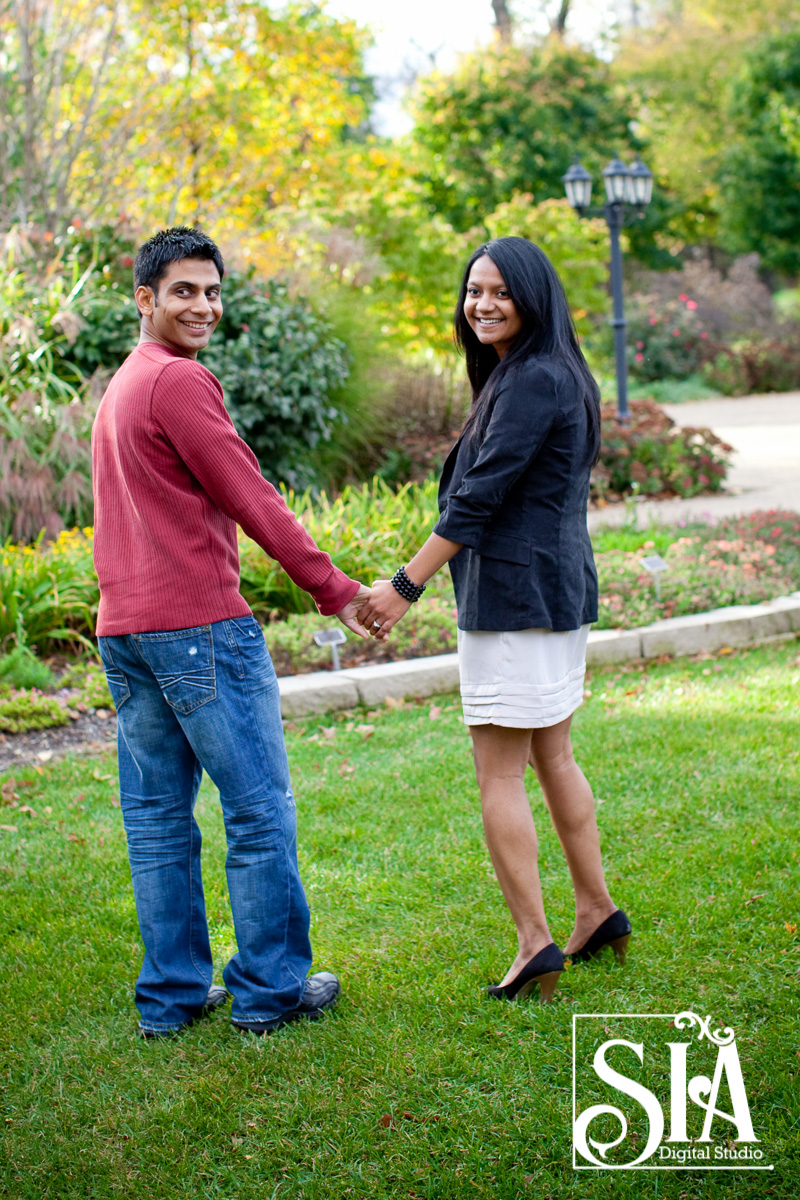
x: 50, y: 596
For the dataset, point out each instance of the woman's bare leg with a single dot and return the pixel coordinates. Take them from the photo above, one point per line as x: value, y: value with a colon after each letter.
x: 501, y: 757
x: 571, y: 803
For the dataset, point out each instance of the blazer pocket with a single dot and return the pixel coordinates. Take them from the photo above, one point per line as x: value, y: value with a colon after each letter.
x: 506, y: 547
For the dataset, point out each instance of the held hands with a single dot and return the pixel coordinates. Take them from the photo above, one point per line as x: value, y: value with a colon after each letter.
x: 351, y: 614
x: 384, y: 608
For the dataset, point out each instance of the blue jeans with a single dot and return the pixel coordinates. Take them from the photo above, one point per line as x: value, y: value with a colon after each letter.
x: 199, y: 699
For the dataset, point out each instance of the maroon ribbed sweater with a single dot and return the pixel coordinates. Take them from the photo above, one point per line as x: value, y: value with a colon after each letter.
x: 172, y: 479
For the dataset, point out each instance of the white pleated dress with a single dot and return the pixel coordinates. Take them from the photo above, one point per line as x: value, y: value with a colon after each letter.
x: 524, y: 678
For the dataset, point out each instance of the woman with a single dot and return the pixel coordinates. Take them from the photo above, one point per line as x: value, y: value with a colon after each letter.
x: 513, y: 499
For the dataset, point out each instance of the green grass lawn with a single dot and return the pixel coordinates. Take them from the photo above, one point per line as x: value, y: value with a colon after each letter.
x: 417, y: 1086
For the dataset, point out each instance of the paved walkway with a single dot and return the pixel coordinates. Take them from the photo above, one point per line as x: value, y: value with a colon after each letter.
x: 765, y: 433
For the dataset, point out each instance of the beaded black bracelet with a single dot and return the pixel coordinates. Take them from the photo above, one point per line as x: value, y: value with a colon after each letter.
x: 407, y: 589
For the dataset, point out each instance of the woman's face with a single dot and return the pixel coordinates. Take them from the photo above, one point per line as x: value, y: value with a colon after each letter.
x: 489, y: 309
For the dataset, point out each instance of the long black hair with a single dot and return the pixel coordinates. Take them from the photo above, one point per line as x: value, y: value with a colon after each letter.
x: 547, y: 330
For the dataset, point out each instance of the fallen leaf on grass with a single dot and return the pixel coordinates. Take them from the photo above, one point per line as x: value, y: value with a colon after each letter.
x: 328, y: 731
x: 73, y: 837
x: 790, y: 928
x: 44, y: 755
x: 366, y: 731
x: 344, y: 768
x: 434, y: 712
x: 26, y: 808
x: 103, y: 714
x: 9, y: 828
x: 114, y: 802
x: 393, y: 702
x: 760, y: 896
x: 386, y: 1121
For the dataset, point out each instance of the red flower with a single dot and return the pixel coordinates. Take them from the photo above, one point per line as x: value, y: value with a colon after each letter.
x: 639, y: 357
x: 691, y: 304
x: 126, y: 260
x: 640, y: 345
x: 653, y: 321
x: 676, y: 333
x: 703, y: 334
x: 683, y: 296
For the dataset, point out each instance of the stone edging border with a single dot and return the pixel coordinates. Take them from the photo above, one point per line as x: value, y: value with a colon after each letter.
x: 737, y: 625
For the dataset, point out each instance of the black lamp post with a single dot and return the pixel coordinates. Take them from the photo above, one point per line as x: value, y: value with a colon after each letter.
x: 624, y: 186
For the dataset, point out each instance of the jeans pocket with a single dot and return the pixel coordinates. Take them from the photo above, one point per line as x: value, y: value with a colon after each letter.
x: 183, y: 664
x: 247, y: 641
x: 117, y: 680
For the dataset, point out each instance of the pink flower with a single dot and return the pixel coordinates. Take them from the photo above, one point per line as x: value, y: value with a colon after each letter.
x: 691, y: 304
x: 653, y: 321
x: 676, y: 333
x: 640, y: 345
x: 704, y: 334
x: 245, y: 328
x: 639, y: 357
x: 683, y: 297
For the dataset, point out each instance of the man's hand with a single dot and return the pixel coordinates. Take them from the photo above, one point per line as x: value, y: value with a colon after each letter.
x: 351, y: 614
x: 384, y: 609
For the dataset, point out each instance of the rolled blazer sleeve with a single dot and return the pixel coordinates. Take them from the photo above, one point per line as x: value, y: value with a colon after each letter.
x: 524, y: 410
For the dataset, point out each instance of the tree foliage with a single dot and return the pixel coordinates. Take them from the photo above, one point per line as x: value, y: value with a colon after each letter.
x: 678, y: 64
x: 510, y: 120
x: 212, y: 111
x: 760, y: 174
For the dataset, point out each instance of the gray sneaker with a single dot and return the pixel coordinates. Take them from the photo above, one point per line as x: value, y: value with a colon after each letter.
x: 320, y: 993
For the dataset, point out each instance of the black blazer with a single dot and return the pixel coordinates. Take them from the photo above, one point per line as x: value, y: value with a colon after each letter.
x: 518, y: 503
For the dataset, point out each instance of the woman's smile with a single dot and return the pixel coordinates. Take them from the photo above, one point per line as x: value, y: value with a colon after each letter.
x: 488, y: 307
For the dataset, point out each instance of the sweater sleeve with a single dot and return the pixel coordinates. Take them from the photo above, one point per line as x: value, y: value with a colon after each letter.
x: 187, y: 407
x: 524, y: 410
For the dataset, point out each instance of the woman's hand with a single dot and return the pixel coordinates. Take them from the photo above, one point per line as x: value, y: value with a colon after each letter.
x: 351, y: 614
x: 383, y: 610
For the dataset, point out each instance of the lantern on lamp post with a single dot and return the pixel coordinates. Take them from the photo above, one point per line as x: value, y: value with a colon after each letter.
x: 628, y: 192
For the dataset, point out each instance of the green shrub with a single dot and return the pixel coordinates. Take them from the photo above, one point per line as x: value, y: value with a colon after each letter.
x: 664, y: 338
x: 30, y: 710
x: 651, y: 454
x: 22, y: 669
x: 753, y: 367
x: 279, y: 366
x: 94, y: 689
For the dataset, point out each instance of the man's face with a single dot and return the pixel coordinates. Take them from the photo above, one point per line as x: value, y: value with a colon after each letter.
x: 186, y: 308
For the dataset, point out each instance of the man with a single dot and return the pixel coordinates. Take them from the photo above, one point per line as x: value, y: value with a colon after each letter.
x: 186, y: 662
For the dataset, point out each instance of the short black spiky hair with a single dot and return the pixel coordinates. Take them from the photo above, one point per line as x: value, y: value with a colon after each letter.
x: 169, y: 246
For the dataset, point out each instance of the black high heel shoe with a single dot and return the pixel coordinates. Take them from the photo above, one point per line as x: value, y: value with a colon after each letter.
x: 544, y: 968
x: 615, y: 932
